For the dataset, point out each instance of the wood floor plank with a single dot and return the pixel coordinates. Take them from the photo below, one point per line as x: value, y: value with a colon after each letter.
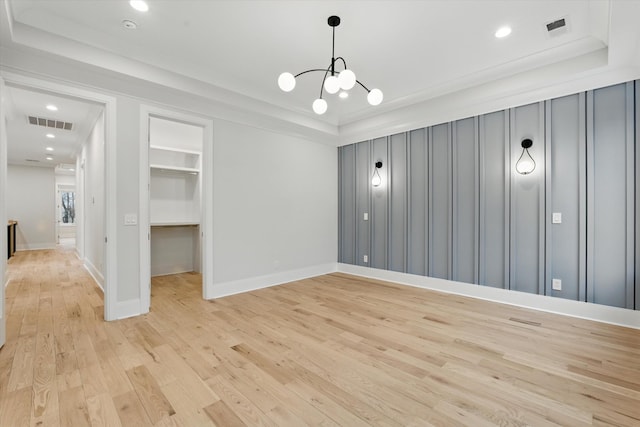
x: 222, y: 415
x: 188, y: 412
x: 22, y: 368
x: 73, y: 408
x: 326, y: 351
x: 130, y: 410
x: 45, y: 390
x: 150, y: 394
x: 102, y: 411
x: 15, y: 408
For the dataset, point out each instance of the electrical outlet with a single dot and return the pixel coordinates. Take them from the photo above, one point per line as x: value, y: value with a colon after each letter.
x: 365, y: 258
x: 556, y: 218
x: 556, y: 284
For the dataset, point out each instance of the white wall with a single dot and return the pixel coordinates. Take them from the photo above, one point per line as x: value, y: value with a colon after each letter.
x: 93, y: 200
x: 79, y: 181
x: 63, y: 179
x: 275, y: 195
x: 31, y: 202
x: 275, y: 203
x: 172, y: 134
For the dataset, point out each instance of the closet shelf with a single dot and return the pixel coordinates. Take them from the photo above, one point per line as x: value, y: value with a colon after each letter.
x: 175, y: 224
x: 171, y: 168
x: 175, y: 150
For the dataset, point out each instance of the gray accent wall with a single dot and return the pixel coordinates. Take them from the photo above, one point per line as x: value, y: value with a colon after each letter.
x: 452, y: 206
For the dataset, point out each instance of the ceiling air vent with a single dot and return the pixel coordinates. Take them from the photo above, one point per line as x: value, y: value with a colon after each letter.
x: 557, y: 27
x: 50, y: 123
x: 32, y: 160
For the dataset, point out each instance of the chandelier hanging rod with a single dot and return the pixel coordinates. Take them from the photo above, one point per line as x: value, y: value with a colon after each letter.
x: 345, y: 80
x: 326, y: 71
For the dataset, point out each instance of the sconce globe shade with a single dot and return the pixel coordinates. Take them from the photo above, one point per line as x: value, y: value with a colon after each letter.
x: 319, y: 106
x: 376, y: 180
x: 525, y: 166
x: 332, y: 84
x: 375, y: 97
x: 347, y: 79
x: 287, y: 82
x: 139, y: 5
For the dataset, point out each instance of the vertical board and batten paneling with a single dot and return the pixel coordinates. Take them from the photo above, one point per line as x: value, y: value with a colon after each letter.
x: 398, y: 173
x: 418, y: 203
x: 527, y: 201
x: 440, y: 201
x: 465, y: 188
x: 566, y: 195
x: 610, y: 196
x: 379, y: 206
x: 347, y: 201
x: 451, y: 204
x: 495, y: 172
x: 363, y: 201
x: 637, y: 184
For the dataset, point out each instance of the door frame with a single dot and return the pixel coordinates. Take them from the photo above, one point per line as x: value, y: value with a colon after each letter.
x: 206, y: 200
x: 110, y: 174
x: 3, y: 213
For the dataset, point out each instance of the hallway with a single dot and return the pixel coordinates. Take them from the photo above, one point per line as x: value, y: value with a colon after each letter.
x: 62, y: 364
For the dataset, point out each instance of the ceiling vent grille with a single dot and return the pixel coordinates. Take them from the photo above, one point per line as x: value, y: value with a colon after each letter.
x: 557, y: 27
x: 50, y: 123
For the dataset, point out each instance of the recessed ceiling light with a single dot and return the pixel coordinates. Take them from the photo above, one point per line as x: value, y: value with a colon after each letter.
x: 139, y: 5
x: 49, y: 148
x: 503, y: 32
x: 49, y: 158
x: 343, y: 94
x: 52, y: 107
x: 50, y: 135
x: 129, y: 25
x: 72, y: 169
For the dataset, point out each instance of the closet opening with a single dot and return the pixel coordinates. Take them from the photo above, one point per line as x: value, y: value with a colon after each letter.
x: 172, y: 158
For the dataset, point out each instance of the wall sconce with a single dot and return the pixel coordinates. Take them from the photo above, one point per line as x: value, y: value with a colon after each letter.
x: 525, y: 164
x: 376, y: 180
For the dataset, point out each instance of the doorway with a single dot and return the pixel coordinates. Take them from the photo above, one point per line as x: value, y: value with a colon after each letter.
x: 176, y: 200
x: 66, y: 223
x: 50, y: 152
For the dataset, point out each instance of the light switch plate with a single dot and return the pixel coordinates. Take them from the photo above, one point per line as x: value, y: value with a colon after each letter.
x: 366, y: 216
x: 556, y: 284
x: 130, y: 219
x: 556, y: 218
x: 365, y: 259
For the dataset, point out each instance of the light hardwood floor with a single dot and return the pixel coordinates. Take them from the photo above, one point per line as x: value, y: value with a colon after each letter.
x: 333, y: 350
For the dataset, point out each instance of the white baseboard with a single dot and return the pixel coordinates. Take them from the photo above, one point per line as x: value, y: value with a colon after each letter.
x: 128, y: 308
x: 253, y: 283
x: 166, y: 272
x: 35, y: 247
x: 93, y: 271
x: 583, y: 310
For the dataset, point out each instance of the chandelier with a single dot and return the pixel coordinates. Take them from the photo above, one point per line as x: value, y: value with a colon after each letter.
x: 333, y: 81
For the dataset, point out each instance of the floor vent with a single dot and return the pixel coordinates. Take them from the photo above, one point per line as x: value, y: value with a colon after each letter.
x: 50, y: 123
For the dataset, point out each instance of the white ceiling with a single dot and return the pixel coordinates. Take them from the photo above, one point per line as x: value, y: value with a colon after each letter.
x: 27, y: 143
x: 414, y: 51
